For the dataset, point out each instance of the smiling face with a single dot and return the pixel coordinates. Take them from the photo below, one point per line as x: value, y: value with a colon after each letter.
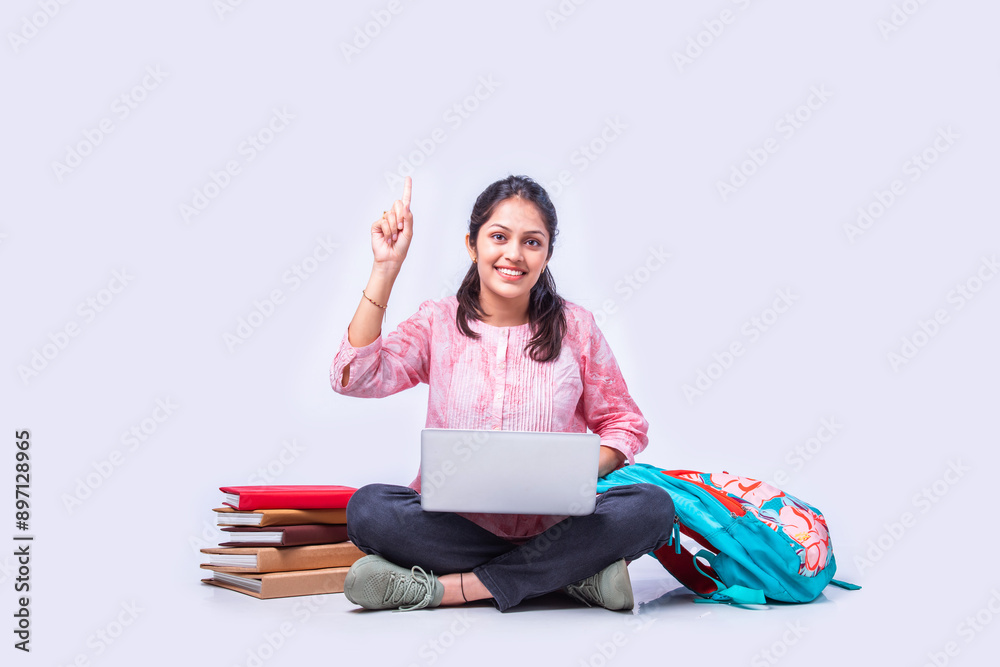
x: 512, y: 248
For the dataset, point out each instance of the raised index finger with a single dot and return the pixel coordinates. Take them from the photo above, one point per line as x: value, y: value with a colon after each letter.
x: 407, y: 188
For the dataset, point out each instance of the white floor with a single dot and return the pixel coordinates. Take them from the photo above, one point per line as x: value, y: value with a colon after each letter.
x: 666, y: 625
x: 154, y: 616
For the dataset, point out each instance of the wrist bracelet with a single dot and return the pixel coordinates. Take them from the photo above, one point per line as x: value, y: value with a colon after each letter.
x: 370, y: 299
x: 384, y: 311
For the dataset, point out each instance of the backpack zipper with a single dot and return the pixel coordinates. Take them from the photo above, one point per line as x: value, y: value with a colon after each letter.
x: 736, y: 509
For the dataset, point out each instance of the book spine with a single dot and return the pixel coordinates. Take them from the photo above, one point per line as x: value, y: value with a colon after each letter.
x: 285, y: 559
x: 299, y: 583
x: 249, y: 501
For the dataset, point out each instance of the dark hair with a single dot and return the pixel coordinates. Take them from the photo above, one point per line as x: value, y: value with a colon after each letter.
x: 545, y: 306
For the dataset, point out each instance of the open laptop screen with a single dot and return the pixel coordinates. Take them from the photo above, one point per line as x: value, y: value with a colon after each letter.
x: 508, y: 472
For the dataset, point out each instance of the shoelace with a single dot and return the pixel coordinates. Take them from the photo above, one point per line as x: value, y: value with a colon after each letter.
x: 588, y: 585
x: 399, y: 587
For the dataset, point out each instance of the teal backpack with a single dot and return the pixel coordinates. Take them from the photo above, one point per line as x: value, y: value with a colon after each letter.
x: 759, y: 543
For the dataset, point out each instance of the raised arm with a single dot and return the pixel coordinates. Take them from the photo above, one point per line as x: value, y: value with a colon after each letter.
x: 391, y: 236
x: 390, y: 363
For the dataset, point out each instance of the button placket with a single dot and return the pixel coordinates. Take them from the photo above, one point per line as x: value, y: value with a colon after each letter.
x: 500, y: 380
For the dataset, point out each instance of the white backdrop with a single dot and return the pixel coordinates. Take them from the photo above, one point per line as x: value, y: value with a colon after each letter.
x: 187, y: 193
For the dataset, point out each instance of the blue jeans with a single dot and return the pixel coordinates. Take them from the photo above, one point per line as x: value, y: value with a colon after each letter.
x: 628, y: 522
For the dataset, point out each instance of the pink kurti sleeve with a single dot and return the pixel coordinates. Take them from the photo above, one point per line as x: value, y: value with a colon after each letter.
x: 606, y: 404
x: 388, y: 364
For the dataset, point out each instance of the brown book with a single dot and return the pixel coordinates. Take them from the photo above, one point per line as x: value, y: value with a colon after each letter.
x: 284, y: 536
x: 281, y: 559
x: 227, y: 516
x: 283, y: 584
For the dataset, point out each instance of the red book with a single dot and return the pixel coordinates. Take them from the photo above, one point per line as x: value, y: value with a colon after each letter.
x: 288, y: 496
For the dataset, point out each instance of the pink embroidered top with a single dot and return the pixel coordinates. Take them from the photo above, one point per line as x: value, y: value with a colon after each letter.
x: 491, y: 383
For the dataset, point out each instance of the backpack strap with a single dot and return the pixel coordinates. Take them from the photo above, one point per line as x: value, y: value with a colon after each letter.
x: 697, y: 538
x: 735, y: 594
x: 703, y: 579
x: 684, y: 566
x: 739, y: 596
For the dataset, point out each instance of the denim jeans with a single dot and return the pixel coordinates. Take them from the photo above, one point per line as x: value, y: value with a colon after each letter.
x: 628, y: 522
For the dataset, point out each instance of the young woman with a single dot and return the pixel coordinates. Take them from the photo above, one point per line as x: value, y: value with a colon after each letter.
x: 506, y: 353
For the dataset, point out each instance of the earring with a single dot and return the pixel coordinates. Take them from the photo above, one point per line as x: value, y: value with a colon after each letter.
x: 475, y: 260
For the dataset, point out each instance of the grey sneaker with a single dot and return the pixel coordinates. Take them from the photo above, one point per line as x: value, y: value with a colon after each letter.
x: 375, y: 583
x: 610, y: 588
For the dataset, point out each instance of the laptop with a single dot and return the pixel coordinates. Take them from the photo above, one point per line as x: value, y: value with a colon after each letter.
x: 508, y: 472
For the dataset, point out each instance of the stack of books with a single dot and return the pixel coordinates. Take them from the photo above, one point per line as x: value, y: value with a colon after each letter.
x: 284, y: 540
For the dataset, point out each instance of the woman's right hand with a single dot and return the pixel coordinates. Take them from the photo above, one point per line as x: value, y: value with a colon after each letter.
x: 392, y: 233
